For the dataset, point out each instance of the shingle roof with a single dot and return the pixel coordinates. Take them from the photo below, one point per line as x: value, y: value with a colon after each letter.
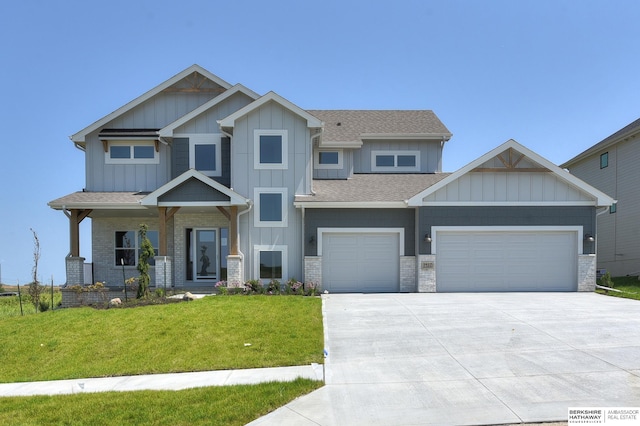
x: 616, y: 137
x: 350, y: 125
x: 82, y: 199
x: 371, y: 188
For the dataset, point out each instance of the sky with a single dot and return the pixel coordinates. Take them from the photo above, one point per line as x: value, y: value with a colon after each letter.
x: 557, y: 76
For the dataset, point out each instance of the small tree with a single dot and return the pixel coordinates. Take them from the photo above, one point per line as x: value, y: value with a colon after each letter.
x: 35, y: 289
x: 146, y: 252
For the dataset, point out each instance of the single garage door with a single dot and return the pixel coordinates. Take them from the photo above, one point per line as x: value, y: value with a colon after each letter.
x: 360, y: 262
x: 472, y: 261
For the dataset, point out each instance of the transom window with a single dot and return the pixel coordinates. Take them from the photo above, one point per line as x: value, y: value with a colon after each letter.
x: 204, y: 153
x: 132, y: 152
x: 604, y: 160
x: 270, y: 149
x: 270, y: 207
x: 328, y: 159
x: 271, y: 262
x: 396, y: 161
x: 127, y: 247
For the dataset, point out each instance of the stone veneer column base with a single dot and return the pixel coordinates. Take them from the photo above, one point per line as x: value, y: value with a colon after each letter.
x: 75, y: 270
x: 313, y: 270
x: 163, y: 272
x: 407, y: 274
x: 235, y: 271
x: 586, y: 272
x: 426, y: 273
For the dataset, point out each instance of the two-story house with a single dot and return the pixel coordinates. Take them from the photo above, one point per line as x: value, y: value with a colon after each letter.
x: 236, y: 186
x: 611, y: 165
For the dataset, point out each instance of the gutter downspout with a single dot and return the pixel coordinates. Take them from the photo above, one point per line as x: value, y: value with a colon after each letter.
x: 250, y: 206
x: 314, y: 136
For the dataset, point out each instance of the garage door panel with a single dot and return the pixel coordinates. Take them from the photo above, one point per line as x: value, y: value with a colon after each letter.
x: 506, y: 261
x: 360, y: 262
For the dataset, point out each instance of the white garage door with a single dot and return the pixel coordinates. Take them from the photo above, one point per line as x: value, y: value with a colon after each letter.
x: 471, y: 261
x: 360, y: 262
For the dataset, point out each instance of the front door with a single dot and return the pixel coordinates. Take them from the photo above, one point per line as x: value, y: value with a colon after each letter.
x: 207, y: 249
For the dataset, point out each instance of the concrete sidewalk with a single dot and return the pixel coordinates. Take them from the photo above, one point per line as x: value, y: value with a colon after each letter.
x: 173, y: 381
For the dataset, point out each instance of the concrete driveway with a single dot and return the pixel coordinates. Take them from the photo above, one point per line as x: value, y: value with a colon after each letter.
x: 488, y: 358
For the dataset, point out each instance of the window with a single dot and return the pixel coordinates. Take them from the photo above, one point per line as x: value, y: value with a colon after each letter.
x: 204, y: 153
x: 127, y: 247
x: 270, y: 149
x: 270, y: 262
x: 271, y: 207
x: 325, y: 159
x: 395, y: 161
x: 132, y: 152
x: 604, y: 160
x: 613, y: 208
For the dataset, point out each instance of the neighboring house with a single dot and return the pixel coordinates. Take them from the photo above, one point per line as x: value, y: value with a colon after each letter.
x: 611, y: 165
x: 236, y: 186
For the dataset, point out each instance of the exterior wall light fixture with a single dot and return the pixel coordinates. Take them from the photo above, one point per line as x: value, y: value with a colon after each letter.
x: 312, y: 240
x: 590, y: 238
x: 427, y: 238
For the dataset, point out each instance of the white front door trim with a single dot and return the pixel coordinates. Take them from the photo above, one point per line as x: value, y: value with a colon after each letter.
x: 542, y: 228
x: 399, y: 231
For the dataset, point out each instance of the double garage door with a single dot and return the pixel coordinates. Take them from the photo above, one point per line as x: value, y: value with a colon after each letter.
x: 476, y: 260
x: 485, y: 260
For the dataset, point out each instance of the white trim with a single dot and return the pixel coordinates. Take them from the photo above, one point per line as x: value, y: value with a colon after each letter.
x: 600, y: 198
x: 263, y: 247
x: 167, y: 131
x: 131, y: 160
x: 543, y: 228
x: 395, y: 167
x: 508, y: 203
x: 407, y: 136
x: 320, y: 166
x: 350, y: 204
x: 204, y: 139
x: 285, y: 203
x: 80, y: 136
x: 234, y: 197
x: 256, y: 149
x: 399, y: 231
x: 229, y: 121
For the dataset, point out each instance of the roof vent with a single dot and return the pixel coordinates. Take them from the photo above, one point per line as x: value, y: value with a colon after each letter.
x: 338, y: 124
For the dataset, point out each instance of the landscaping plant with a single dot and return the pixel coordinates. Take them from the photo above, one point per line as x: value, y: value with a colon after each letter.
x: 35, y: 289
x: 146, y: 252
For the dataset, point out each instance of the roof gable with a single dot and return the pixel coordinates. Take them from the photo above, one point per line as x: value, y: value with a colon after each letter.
x: 220, y: 196
x: 515, y: 163
x: 175, y: 81
x: 229, y: 122
x: 167, y: 131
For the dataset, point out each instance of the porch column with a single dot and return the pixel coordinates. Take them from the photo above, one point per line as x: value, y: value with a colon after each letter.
x: 163, y: 217
x: 75, y: 217
x: 235, y: 269
x: 233, y: 231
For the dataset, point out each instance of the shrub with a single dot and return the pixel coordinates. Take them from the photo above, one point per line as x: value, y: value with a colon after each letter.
x: 273, y: 287
x: 44, y: 305
x: 253, y: 287
x: 606, y: 280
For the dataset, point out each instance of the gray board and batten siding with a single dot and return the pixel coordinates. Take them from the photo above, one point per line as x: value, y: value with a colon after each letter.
x: 180, y: 159
x: 584, y: 216
x: 359, y: 218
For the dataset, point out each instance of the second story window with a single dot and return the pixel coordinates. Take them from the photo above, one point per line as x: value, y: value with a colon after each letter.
x: 270, y: 149
x: 604, y: 160
x: 205, y: 154
x: 328, y: 159
x: 270, y: 207
x: 132, y: 152
x: 395, y: 161
x: 613, y: 208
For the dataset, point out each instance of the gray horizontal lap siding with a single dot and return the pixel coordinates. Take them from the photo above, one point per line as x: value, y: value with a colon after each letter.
x: 360, y: 218
x: 584, y: 216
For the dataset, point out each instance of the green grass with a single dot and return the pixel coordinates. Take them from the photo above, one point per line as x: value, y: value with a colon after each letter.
x: 229, y: 405
x: 630, y: 287
x: 10, y: 306
x: 206, y: 334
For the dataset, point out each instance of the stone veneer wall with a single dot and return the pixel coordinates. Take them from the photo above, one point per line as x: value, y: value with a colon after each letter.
x: 235, y: 271
x: 164, y: 273
x: 426, y: 275
x: 313, y: 270
x: 75, y: 270
x: 407, y: 274
x: 586, y: 272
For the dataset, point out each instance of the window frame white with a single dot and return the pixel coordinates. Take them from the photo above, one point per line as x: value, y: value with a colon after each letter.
x: 284, y: 134
x: 132, y: 160
x: 256, y: 256
x: 395, y: 167
x: 205, y: 139
x: 283, y: 223
x: 321, y: 166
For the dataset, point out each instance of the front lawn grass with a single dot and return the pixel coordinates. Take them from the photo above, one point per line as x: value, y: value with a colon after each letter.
x: 629, y: 287
x: 229, y: 405
x: 213, y: 333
